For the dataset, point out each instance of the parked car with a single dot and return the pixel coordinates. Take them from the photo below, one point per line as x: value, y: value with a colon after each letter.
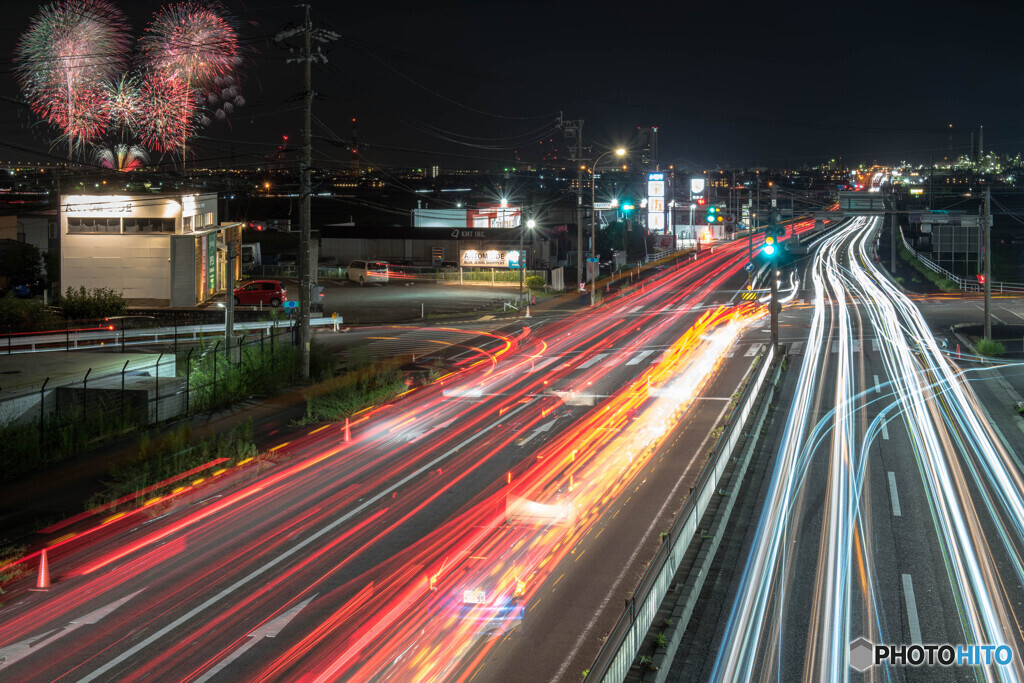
x: 368, y: 271
x: 257, y: 292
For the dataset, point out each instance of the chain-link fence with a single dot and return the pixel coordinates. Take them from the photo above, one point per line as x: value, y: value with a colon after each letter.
x: 69, y: 413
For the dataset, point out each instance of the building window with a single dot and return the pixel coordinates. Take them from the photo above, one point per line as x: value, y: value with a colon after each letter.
x: 148, y: 225
x: 186, y: 224
x: 94, y: 225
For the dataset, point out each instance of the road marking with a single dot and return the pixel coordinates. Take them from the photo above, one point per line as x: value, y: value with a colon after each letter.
x: 1012, y: 312
x: 915, y: 625
x: 635, y: 360
x: 895, y: 498
x: 593, y: 360
x: 878, y: 387
x: 874, y: 345
x: 752, y: 350
x: 797, y: 348
x: 268, y: 630
x: 885, y: 431
x: 856, y: 345
x: 539, y: 430
x: 298, y: 547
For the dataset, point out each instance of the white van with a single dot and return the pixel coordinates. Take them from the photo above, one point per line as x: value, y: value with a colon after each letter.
x: 368, y: 271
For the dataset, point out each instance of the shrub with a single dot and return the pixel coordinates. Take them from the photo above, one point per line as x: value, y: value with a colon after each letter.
x: 535, y: 282
x: 987, y: 347
x: 15, y: 311
x: 95, y: 303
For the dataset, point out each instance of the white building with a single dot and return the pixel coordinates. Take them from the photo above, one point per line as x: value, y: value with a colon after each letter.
x: 158, y: 248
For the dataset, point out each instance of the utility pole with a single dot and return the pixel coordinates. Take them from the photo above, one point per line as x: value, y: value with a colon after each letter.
x: 987, y: 227
x: 573, y: 131
x: 229, y: 302
x: 892, y: 235
x: 307, y: 57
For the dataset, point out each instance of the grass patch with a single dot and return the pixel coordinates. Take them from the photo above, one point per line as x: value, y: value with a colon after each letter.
x: 171, y: 454
x: 987, y: 347
x: 939, y: 281
x: 349, y: 393
x: 10, y: 552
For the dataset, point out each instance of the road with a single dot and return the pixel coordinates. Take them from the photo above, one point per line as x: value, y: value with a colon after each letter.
x: 431, y: 545
x: 892, y: 508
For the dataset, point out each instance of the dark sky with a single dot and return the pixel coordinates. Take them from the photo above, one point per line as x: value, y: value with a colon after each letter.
x: 726, y: 83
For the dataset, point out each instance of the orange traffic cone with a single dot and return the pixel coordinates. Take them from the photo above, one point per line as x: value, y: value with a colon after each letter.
x: 43, y: 582
x: 608, y: 286
x: 533, y: 298
x: 348, y: 434
x: 527, y: 312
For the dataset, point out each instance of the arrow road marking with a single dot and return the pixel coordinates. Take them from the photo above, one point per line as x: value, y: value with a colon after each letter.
x: 267, y: 630
x: 17, y: 651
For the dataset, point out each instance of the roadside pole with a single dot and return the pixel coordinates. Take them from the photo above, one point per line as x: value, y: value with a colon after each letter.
x: 987, y: 227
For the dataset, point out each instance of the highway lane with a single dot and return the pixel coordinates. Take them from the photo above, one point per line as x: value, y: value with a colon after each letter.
x: 893, y: 511
x: 265, y: 579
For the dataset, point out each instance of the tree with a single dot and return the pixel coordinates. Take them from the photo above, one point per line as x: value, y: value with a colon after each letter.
x: 20, y: 263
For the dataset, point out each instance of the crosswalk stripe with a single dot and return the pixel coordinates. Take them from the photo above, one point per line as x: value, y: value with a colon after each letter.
x: 874, y: 345
x: 752, y: 351
x: 635, y: 360
x: 797, y: 348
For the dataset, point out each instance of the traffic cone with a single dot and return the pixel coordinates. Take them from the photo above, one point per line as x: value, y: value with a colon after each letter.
x: 43, y: 582
x: 527, y: 312
x: 608, y: 286
x: 533, y: 298
x: 348, y: 434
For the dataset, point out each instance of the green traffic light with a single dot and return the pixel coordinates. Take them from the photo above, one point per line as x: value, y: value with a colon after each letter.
x: 769, y: 249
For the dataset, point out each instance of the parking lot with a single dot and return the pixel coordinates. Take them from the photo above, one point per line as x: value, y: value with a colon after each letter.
x: 403, y: 301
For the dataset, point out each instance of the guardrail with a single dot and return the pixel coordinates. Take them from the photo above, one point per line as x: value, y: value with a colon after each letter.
x: 112, y: 335
x: 964, y: 284
x: 623, y: 643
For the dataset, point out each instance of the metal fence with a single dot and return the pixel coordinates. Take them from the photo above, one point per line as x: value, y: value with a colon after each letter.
x: 964, y: 284
x: 623, y: 643
x: 66, y: 413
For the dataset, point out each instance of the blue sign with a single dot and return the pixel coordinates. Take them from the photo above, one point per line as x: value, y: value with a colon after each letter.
x: 749, y: 267
x: 291, y: 304
x: 655, y: 176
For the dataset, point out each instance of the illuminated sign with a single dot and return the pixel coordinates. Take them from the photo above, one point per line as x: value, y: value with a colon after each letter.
x: 655, y: 221
x: 696, y: 186
x: 656, y: 205
x: 655, y: 188
x: 98, y: 206
x: 489, y: 258
x: 655, y: 176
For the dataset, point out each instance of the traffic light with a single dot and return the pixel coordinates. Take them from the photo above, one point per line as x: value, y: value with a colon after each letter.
x: 981, y: 278
x: 769, y: 242
x: 701, y: 201
x: 715, y: 215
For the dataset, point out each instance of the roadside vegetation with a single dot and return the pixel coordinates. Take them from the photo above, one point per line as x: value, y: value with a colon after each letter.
x: 990, y: 348
x: 943, y: 283
x: 362, y: 384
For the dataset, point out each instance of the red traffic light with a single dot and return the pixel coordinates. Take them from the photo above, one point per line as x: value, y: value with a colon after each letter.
x: 701, y: 201
x: 981, y: 278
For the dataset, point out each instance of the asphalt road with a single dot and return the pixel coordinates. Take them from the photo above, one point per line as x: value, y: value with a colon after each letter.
x: 456, y: 516
x: 906, y: 568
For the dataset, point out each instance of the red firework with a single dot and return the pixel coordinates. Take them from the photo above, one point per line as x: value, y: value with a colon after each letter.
x: 167, y: 117
x: 192, y: 42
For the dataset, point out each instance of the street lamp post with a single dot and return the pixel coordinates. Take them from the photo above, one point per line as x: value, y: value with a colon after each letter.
x: 593, y: 213
x: 531, y: 224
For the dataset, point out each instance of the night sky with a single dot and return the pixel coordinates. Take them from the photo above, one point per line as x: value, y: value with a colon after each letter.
x: 466, y: 83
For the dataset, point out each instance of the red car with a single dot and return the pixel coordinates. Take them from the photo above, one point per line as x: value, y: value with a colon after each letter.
x: 257, y: 292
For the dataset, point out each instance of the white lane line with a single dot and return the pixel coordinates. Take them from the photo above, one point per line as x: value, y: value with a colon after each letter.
x: 752, y: 350
x: 885, y: 431
x: 635, y: 360
x: 878, y: 387
x: 874, y: 345
x: 1012, y: 312
x: 915, y: 625
x: 896, y: 512
x: 593, y: 360
x: 298, y: 547
x: 634, y: 309
x: 797, y: 348
x: 856, y: 345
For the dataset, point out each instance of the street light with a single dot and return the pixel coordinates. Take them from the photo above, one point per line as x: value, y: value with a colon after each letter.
x: 531, y: 224
x: 593, y: 214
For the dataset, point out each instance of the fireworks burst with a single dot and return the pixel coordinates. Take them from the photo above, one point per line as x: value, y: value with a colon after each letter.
x: 64, y: 59
x: 124, y: 102
x: 167, y: 116
x: 191, y: 42
x: 121, y: 157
